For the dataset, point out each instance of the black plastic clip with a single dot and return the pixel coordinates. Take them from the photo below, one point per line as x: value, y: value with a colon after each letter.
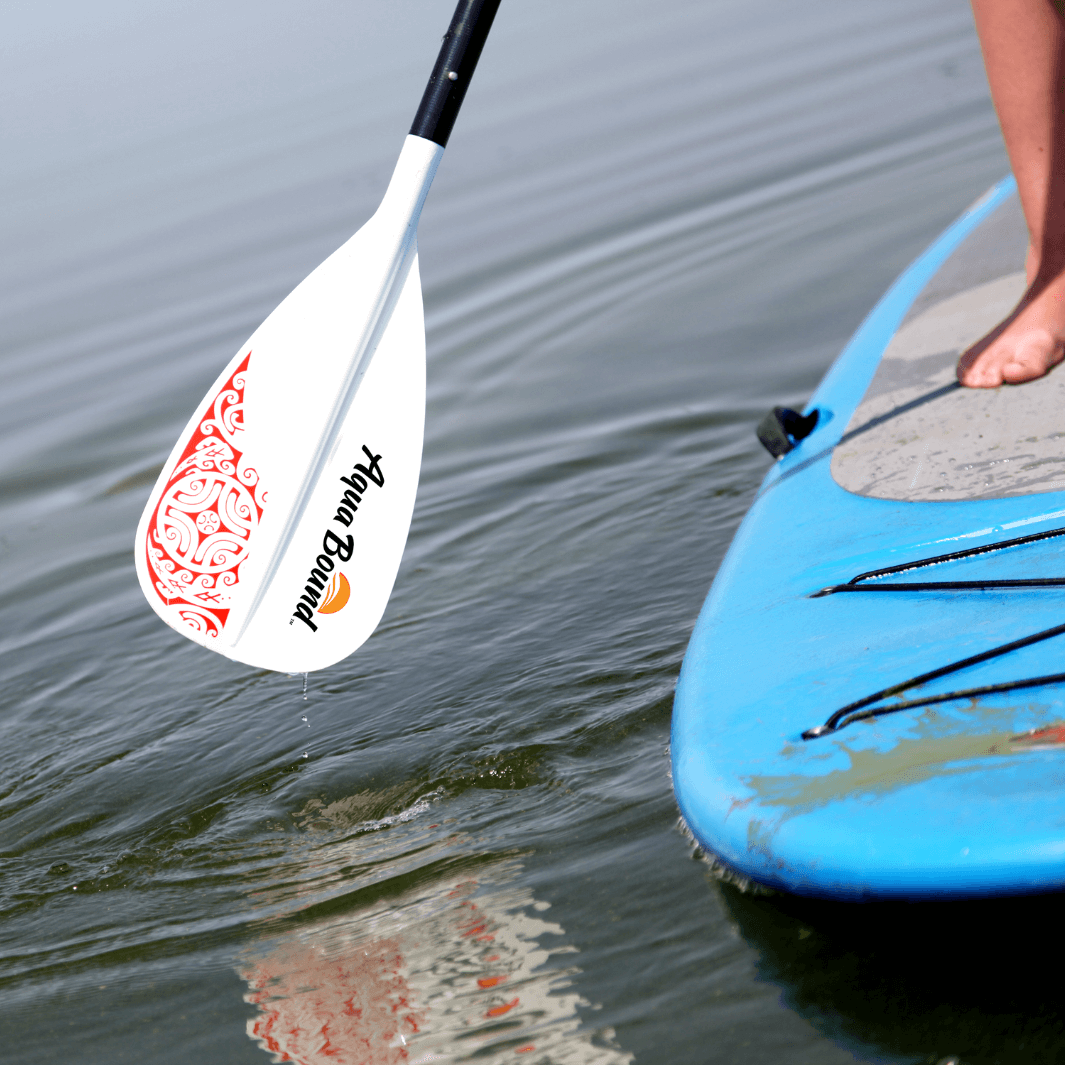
x: 782, y: 428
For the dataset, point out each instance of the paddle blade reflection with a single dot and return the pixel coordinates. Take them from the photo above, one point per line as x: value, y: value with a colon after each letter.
x: 454, y: 972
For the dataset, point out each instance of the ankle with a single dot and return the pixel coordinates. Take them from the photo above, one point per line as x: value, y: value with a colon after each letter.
x: 1046, y: 268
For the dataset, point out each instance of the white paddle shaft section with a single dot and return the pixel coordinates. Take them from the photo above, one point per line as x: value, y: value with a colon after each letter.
x: 277, y: 526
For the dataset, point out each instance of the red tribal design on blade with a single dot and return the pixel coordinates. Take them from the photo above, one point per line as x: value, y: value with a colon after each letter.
x: 200, y: 530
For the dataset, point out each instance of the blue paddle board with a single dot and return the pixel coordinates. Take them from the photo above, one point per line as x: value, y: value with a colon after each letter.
x: 872, y: 704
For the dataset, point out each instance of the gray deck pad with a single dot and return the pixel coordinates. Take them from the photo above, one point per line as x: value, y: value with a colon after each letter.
x: 917, y: 435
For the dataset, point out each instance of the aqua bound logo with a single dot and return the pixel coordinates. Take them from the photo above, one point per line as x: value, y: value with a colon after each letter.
x: 332, y: 588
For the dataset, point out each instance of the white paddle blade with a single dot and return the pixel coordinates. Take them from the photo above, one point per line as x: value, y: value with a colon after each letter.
x: 277, y: 526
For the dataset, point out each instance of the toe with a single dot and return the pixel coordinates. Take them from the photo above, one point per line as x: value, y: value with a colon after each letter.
x: 1019, y: 371
x: 980, y: 366
x: 1032, y: 359
x: 984, y: 373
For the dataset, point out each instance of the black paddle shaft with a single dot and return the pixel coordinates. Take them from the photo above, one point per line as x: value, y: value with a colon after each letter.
x: 454, y: 67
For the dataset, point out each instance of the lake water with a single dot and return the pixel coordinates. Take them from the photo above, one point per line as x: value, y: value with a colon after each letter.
x: 653, y: 222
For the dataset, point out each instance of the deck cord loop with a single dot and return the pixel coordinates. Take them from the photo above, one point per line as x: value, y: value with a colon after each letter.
x: 855, y: 583
x: 863, y: 710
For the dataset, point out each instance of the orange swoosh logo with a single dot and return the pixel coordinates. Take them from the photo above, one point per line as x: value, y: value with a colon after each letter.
x: 337, y: 594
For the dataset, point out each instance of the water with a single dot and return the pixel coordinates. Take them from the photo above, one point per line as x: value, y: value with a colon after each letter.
x: 653, y: 222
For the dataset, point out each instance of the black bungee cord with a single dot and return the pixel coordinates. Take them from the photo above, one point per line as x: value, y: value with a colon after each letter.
x: 855, y: 583
x: 863, y: 710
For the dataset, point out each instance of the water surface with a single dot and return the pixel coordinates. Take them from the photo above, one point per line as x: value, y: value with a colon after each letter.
x: 653, y: 222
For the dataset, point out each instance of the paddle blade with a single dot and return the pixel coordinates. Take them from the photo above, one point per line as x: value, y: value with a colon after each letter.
x: 219, y: 508
x: 277, y: 526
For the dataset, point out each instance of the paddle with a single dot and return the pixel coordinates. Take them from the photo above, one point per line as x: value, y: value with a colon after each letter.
x: 275, y: 530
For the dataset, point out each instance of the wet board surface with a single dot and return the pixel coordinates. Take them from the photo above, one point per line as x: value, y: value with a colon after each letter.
x: 962, y: 793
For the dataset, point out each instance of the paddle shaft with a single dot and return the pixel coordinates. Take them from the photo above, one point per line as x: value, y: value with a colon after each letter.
x: 455, y: 65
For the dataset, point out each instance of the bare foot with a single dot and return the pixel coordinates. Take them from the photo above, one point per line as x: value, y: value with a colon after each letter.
x: 1027, y: 345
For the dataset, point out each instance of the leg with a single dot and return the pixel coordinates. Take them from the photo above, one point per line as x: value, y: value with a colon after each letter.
x: 1023, y: 42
